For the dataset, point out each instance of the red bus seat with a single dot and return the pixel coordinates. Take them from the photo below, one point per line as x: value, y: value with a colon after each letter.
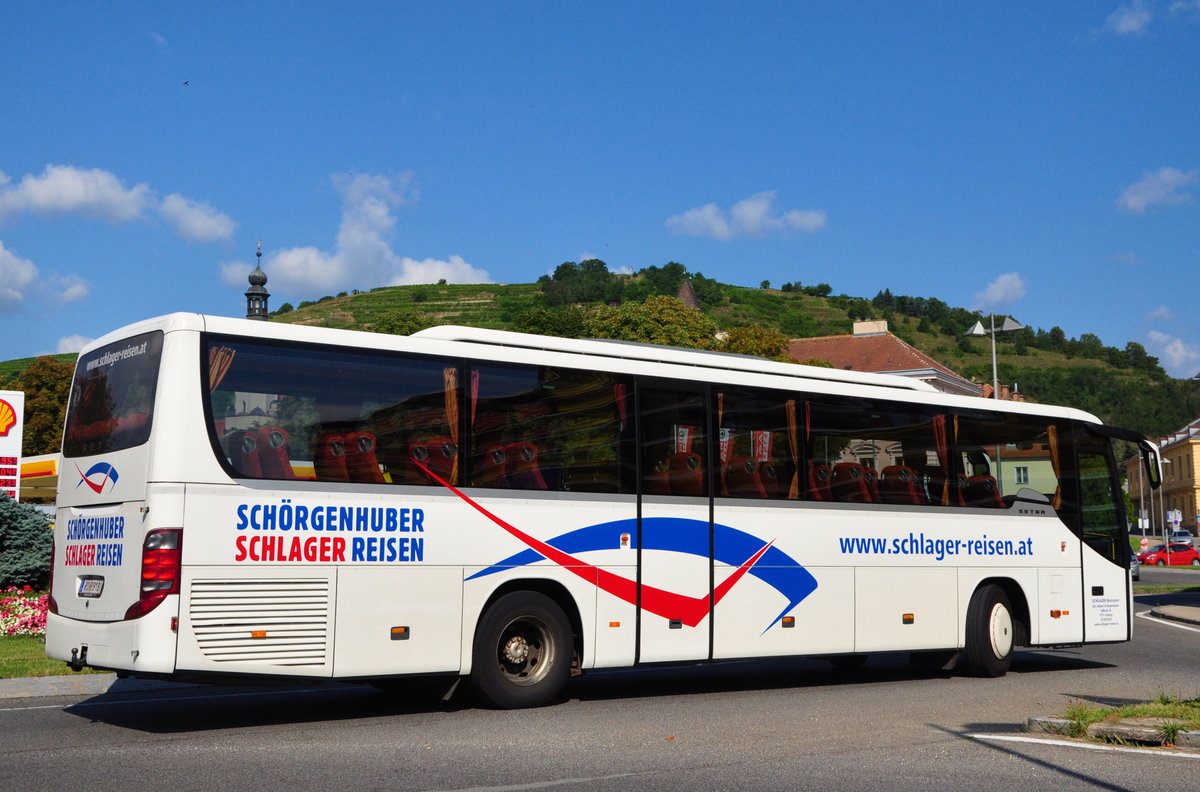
x: 361, y: 463
x: 273, y: 453
x: 243, y: 454
x: 329, y: 458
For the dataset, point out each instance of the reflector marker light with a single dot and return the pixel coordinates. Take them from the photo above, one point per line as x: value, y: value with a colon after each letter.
x: 399, y: 633
x: 909, y: 618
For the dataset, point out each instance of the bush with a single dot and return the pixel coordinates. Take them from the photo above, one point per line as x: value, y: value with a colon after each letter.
x: 25, y: 542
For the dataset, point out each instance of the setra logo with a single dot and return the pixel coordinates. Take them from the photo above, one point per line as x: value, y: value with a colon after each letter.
x: 8, y: 417
x: 98, y: 476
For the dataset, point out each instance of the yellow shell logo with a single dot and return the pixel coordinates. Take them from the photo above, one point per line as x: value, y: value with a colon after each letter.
x: 8, y: 417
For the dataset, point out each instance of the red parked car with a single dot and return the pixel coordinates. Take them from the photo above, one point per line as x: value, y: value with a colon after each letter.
x: 1174, y: 554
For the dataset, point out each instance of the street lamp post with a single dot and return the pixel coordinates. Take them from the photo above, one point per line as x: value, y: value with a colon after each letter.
x: 1010, y: 325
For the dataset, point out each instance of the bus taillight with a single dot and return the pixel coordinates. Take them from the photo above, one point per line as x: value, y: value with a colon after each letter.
x: 161, y: 562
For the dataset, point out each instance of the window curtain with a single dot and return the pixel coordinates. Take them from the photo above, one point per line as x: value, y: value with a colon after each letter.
x: 794, y: 447
x: 450, y: 379
x: 220, y: 358
x: 943, y: 454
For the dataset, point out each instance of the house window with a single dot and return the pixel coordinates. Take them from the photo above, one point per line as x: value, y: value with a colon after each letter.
x: 1022, y: 474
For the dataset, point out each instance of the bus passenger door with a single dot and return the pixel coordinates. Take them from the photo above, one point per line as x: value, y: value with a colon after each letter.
x: 1105, y: 547
x: 674, y: 526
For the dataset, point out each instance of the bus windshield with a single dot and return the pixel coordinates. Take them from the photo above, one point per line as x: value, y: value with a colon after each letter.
x: 112, y: 397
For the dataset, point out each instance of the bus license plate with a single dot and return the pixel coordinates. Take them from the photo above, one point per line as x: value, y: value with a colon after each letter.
x: 90, y: 586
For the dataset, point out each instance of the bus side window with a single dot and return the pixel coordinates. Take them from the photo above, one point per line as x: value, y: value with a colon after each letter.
x: 1001, y: 454
x: 758, y: 445
x: 868, y: 451
x: 673, y: 442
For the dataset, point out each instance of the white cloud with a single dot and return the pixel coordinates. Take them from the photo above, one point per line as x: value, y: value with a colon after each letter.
x: 196, y: 222
x: 1129, y: 19
x: 363, y: 256
x: 159, y: 40
x: 70, y: 288
x: 751, y: 217
x: 1161, y: 313
x: 20, y: 279
x: 1184, y: 6
x: 1004, y: 291
x: 1161, y: 188
x: 67, y: 190
x: 17, y: 275
x: 1179, y: 357
x: 63, y: 189
x: 72, y: 343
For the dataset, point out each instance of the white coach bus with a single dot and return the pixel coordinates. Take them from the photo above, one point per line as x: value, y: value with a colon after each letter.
x: 248, y: 498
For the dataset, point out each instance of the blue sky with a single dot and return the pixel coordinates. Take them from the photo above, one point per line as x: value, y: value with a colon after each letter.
x: 1040, y: 159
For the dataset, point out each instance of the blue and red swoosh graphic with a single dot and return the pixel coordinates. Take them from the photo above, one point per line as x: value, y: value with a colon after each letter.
x: 107, y: 472
x: 744, y: 552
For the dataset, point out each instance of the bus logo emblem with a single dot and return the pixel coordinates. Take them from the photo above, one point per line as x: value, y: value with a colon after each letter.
x: 98, y: 476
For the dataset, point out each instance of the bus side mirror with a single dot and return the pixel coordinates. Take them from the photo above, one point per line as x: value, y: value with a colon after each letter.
x: 1152, y: 462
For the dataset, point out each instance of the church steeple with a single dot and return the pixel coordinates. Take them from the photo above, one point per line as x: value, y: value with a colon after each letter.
x: 257, y: 294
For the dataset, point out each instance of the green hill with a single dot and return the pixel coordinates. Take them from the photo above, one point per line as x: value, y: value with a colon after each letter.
x: 1122, y: 386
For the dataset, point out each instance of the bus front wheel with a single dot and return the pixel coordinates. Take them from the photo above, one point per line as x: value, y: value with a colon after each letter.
x: 522, y: 651
x: 989, y: 639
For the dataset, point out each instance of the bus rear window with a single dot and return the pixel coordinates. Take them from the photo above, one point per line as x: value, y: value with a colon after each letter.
x: 112, y: 397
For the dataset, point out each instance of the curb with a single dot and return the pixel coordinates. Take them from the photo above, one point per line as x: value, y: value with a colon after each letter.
x: 1140, y: 731
x: 1177, y: 613
x: 79, y: 685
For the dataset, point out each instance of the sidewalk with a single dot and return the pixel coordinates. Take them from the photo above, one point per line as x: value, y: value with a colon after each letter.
x: 78, y: 685
x: 1179, y: 613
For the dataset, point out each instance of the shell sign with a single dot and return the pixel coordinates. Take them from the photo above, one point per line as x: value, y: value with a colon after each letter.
x: 12, y: 407
x: 8, y: 417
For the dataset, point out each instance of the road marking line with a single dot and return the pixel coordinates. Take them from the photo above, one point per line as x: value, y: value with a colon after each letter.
x: 1146, y: 615
x: 1087, y: 746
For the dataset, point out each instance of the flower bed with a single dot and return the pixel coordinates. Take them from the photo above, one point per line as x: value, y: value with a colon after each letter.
x: 22, y: 611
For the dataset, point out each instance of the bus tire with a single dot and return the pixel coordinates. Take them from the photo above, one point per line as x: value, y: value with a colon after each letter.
x: 522, y: 651
x: 990, y: 634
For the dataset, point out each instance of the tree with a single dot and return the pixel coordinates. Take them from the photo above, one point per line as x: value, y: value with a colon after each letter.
x: 47, y: 384
x: 708, y: 291
x: 400, y: 322
x: 756, y: 340
x: 569, y: 321
x: 586, y: 282
x: 659, y: 320
x: 666, y: 280
x: 25, y: 542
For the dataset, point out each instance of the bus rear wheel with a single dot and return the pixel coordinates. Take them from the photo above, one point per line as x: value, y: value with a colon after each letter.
x: 989, y: 638
x: 522, y: 652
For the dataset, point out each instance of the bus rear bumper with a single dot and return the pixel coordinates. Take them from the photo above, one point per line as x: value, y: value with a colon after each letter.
x: 138, y: 646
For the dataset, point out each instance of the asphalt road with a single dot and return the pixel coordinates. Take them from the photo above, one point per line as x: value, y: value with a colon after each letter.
x: 793, y: 725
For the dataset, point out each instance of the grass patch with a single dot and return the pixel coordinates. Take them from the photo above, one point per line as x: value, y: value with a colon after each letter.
x: 1184, y: 715
x: 25, y: 656
x: 1164, y: 588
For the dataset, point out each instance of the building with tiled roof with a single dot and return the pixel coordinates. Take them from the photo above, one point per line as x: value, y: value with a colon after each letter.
x: 872, y: 348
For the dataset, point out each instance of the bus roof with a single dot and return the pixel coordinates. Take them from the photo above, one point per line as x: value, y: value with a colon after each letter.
x: 450, y: 339
x: 654, y: 353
